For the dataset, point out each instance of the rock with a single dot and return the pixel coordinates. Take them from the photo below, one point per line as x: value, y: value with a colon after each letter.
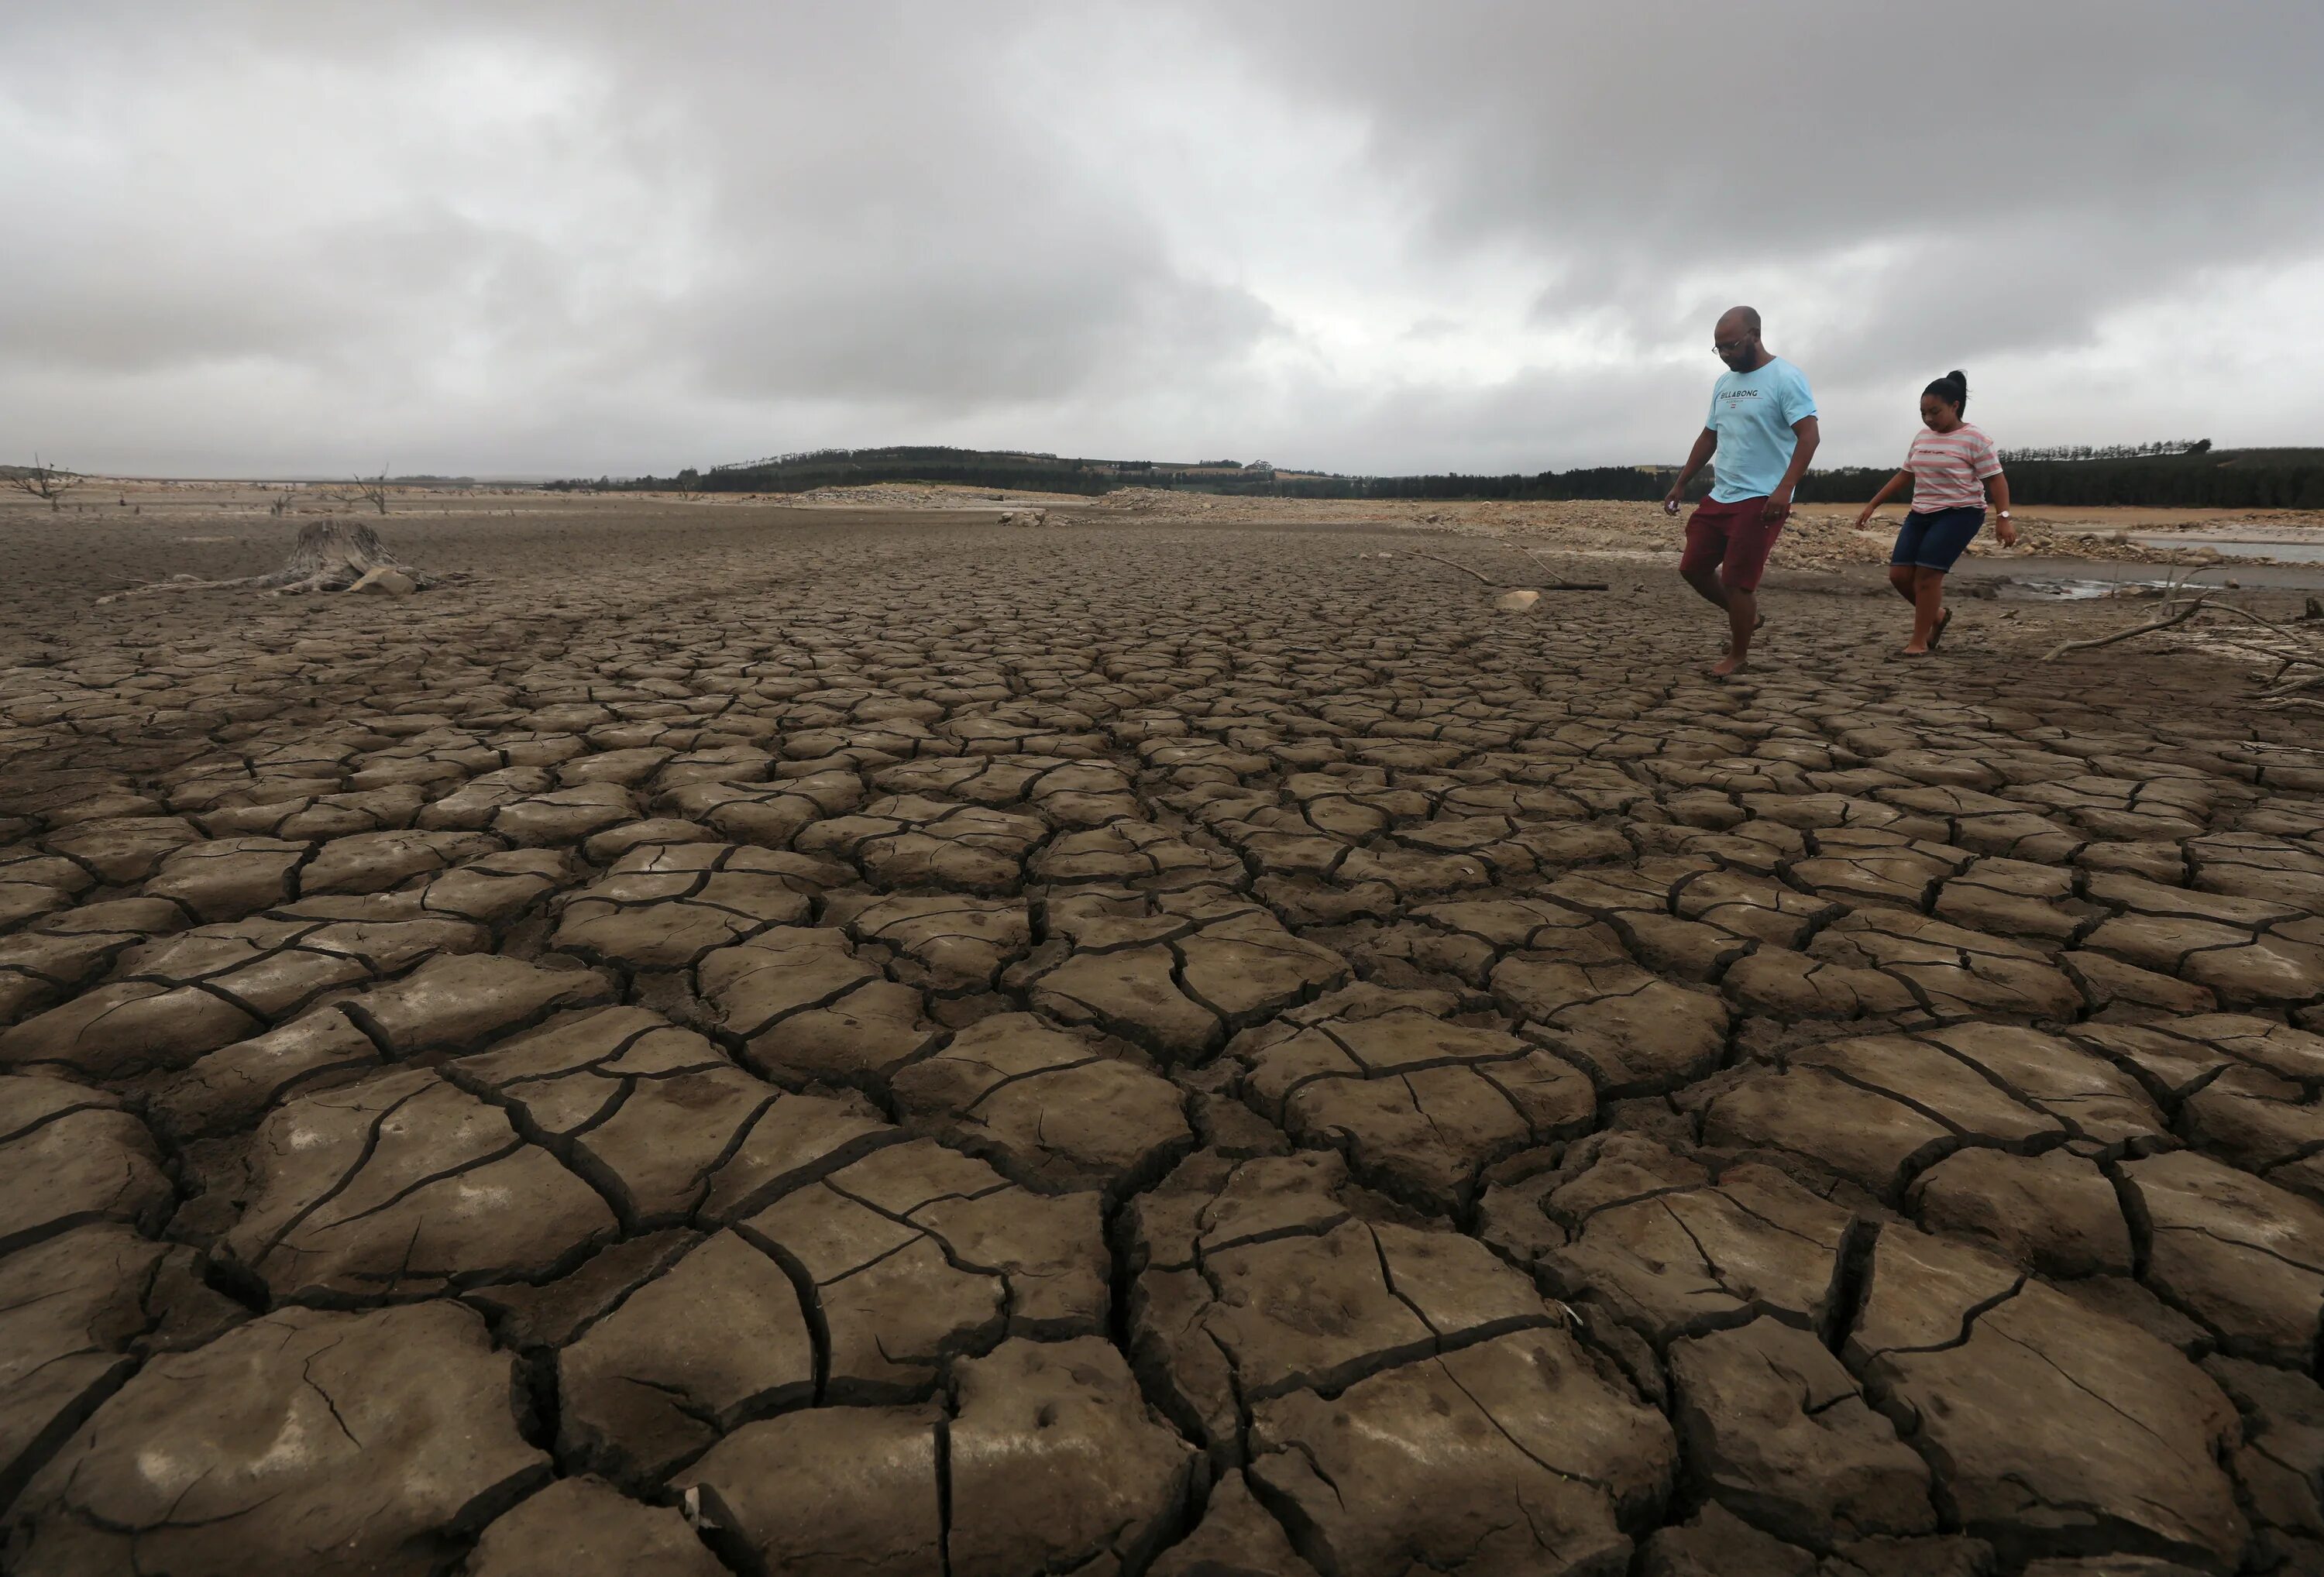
x: 1516, y: 602
x: 384, y: 581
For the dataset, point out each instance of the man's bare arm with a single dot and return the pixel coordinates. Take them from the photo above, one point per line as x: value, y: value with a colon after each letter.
x: 1779, y: 502
x: 1705, y: 442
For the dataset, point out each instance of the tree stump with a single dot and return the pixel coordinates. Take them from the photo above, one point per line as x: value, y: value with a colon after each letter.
x: 330, y: 555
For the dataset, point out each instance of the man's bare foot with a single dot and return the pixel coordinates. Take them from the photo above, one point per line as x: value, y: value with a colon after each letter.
x: 1730, y: 664
x: 1757, y: 625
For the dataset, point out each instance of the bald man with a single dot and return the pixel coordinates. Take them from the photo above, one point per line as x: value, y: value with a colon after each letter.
x: 1763, y: 429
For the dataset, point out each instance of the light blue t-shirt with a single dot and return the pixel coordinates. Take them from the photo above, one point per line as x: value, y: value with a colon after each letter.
x: 1752, y: 413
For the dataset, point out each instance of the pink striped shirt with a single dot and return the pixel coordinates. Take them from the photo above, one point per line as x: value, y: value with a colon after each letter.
x: 1949, y: 469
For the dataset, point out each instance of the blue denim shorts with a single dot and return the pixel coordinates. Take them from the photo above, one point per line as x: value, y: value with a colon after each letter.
x: 1933, y: 540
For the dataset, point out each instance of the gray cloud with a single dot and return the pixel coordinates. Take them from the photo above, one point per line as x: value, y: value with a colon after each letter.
x: 590, y: 236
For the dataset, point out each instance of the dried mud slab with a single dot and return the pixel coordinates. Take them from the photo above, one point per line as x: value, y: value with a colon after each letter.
x: 1418, y: 1105
x: 302, y: 1440
x: 916, y: 1254
x: 403, y: 1187
x: 71, y: 1155
x: 2055, y: 1429
x: 1394, y: 1390
x: 1668, y: 1249
x: 1048, y: 1108
x: 581, y: 1524
x: 1045, y: 1459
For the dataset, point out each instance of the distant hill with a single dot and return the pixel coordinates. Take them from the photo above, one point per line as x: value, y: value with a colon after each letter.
x: 1030, y: 472
x: 2189, y: 477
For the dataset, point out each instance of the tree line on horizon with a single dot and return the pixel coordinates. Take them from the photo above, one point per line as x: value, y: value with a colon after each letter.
x: 2179, y: 474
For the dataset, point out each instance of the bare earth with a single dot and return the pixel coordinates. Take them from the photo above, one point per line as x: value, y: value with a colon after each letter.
x: 819, y: 1041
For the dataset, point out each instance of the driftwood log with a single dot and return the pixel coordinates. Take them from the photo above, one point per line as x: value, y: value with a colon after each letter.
x: 330, y: 555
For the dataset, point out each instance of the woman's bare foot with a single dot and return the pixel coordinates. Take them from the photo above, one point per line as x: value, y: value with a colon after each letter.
x: 1914, y: 651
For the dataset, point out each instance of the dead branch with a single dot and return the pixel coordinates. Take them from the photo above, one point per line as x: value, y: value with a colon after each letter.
x: 2184, y: 613
x: 1499, y: 586
x: 1461, y: 568
x: 1535, y: 554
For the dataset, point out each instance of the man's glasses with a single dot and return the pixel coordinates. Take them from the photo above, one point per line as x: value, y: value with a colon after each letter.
x: 1729, y: 347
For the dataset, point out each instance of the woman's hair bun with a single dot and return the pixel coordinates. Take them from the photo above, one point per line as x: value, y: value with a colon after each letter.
x: 1952, y: 389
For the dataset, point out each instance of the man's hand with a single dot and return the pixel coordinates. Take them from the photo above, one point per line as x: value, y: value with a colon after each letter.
x: 1778, y: 505
x: 1670, y: 501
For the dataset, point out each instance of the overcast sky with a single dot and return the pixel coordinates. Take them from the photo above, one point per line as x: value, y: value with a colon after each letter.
x: 572, y: 238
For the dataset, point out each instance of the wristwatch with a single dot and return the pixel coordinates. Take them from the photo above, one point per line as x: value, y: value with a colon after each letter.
x: 2002, y: 514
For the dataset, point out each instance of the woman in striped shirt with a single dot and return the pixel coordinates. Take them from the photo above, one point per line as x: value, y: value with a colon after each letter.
x: 1953, y: 470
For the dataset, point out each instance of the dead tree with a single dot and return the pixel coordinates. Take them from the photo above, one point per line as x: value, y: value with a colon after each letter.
x: 42, y: 480
x: 328, y: 557
x: 372, y: 489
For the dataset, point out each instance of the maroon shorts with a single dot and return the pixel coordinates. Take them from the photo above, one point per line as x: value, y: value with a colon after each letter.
x: 1736, y: 538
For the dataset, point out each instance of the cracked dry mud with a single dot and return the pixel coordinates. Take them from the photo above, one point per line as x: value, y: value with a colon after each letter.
x: 813, y: 1045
